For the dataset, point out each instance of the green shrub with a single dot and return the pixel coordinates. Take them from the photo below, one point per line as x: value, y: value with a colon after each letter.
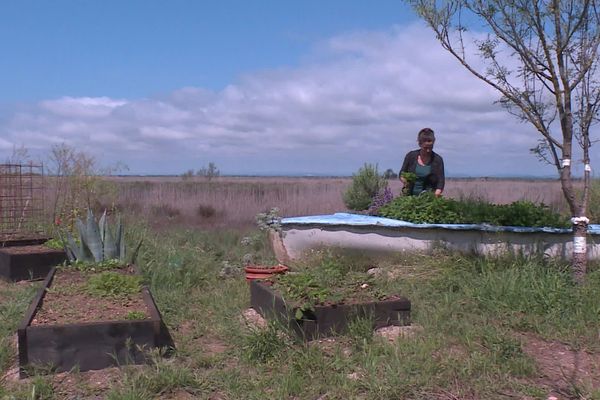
x: 427, y: 208
x: 366, y: 183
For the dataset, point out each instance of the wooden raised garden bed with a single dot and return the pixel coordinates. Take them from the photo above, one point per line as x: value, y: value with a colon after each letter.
x: 22, y: 260
x: 327, y: 320
x: 22, y: 239
x: 98, y: 342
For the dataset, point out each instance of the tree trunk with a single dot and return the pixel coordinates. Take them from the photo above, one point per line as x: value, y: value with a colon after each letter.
x: 579, y: 262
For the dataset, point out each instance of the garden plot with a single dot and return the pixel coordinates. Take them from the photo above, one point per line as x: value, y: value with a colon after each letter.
x: 24, y: 259
x: 90, y: 321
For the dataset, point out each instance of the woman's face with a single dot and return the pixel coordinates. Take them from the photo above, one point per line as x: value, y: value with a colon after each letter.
x: 427, y: 145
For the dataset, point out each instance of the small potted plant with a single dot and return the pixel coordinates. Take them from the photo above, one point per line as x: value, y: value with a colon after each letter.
x: 270, y: 223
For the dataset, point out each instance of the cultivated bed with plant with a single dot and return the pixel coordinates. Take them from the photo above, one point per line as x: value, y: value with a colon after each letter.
x: 99, y: 282
x: 331, y: 280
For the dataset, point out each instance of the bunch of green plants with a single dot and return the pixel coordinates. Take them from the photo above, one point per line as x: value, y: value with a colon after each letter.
x: 525, y: 213
x: 427, y: 208
x: 114, y: 284
x: 366, y: 184
x: 410, y: 178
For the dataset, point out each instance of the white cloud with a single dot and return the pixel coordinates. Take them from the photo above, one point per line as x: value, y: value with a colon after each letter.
x: 362, y: 98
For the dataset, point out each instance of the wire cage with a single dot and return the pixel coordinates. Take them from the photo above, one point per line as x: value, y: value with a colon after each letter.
x: 21, y: 199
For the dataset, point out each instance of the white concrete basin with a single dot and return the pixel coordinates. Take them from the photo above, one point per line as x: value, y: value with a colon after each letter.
x: 375, y: 234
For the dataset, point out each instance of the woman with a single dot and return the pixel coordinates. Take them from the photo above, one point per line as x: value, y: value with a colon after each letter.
x: 427, y: 165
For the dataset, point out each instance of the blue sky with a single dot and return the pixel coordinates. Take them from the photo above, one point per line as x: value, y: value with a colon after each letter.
x: 258, y: 87
x: 141, y: 48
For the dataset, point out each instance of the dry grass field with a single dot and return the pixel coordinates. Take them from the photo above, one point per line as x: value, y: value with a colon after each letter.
x: 235, y: 201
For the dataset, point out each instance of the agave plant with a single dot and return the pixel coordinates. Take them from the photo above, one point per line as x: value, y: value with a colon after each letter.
x: 97, y: 241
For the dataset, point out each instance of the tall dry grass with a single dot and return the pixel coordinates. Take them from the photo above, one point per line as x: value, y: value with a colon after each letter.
x: 235, y: 201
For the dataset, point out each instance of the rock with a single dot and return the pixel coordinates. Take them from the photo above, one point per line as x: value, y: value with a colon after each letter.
x: 393, y: 333
x: 253, y: 318
x: 354, y: 376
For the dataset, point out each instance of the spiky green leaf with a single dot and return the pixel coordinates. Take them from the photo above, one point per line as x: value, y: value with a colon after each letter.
x: 135, y: 252
x: 85, y: 252
x: 102, y: 225
x: 110, y: 245
x: 92, y: 237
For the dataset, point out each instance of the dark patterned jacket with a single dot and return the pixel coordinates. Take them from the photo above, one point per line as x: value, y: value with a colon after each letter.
x: 436, y: 179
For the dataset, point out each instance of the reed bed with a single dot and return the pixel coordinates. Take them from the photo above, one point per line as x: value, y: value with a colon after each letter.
x: 235, y: 201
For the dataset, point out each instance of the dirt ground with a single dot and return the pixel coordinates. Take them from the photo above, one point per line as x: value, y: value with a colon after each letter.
x: 561, y: 368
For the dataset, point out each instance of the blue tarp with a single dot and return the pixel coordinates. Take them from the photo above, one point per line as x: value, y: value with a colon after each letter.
x: 341, y: 219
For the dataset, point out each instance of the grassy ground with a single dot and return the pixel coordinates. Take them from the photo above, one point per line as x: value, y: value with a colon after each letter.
x: 492, y: 329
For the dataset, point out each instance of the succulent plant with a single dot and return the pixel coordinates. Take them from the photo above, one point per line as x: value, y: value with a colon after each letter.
x: 97, y: 241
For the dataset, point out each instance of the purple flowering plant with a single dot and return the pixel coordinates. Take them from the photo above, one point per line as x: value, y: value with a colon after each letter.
x: 381, y: 199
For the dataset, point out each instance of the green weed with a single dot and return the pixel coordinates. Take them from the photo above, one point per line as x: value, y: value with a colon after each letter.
x: 164, y: 376
x: 260, y: 345
x: 114, y: 284
x: 133, y: 315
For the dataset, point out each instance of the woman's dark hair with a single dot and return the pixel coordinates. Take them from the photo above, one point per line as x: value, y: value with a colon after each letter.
x: 425, y: 134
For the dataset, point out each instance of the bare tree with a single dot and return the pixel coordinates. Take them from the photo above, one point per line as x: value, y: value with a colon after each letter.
x: 209, y: 172
x: 78, y: 182
x: 542, y: 57
x: 20, y: 155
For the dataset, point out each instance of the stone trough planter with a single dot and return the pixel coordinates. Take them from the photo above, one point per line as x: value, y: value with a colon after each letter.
x: 88, y: 345
x: 327, y: 320
x: 369, y: 234
x: 28, y: 259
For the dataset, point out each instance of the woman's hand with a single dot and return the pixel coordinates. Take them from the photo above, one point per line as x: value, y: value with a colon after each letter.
x: 438, y: 192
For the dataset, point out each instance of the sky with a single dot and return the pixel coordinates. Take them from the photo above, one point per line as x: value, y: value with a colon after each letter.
x: 265, y: 87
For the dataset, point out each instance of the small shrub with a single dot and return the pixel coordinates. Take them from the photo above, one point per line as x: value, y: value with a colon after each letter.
x: 187, y: 174
x: 270, y: 220
x: 366, y: 184
x: 206, y: 211
x: 389, y: 174
x: 165, y: 210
